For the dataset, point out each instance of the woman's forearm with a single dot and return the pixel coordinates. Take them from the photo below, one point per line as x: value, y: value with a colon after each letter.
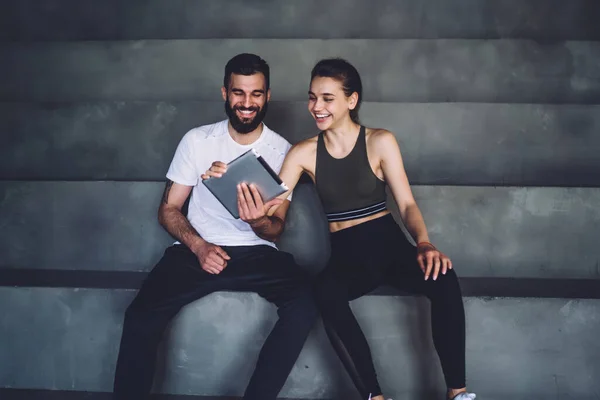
x: 414, y: 223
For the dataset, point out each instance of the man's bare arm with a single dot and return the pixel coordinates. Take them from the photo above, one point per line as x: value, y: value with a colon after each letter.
x: 172, y: 219
x: 212, y: 258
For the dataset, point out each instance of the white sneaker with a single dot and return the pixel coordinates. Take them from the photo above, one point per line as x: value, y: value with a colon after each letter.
x: 465, y: 396
x: 370, y: 397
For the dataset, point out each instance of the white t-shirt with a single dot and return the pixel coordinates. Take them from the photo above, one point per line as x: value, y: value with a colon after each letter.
x: 195, y: 154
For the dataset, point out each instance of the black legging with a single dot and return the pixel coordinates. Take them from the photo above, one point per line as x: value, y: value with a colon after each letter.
x: 362, y: 258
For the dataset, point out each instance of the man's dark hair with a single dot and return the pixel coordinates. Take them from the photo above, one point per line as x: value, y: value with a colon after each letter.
x: 341, y: 70
x: 246, y: 64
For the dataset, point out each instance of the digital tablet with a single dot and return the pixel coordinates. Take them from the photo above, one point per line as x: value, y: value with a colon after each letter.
x: 250, y: 168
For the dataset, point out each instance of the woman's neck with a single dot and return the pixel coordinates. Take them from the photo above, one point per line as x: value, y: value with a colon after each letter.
x: 344, y: 133
x: 341, y: 139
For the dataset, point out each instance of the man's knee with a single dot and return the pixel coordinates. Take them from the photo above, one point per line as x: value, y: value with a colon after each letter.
x: 322, y: 290
x: 301, y: 305
x: 140, y: 317
x: 330, y: 295
x: 298, y: 283
x: 134, y: 317
x: 307, y: 303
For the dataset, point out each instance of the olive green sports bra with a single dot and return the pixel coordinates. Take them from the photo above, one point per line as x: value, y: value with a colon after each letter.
x: 348, y: 188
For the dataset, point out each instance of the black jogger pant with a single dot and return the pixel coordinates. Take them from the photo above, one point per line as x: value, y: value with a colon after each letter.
x: 178, y: 280
x: 364, y: 257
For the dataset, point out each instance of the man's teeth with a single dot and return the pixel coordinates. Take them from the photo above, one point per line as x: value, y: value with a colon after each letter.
x: 248, y: 112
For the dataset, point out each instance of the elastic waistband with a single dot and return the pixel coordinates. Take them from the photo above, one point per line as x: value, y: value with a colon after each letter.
x: 375, y: 227
x: 357, y: 213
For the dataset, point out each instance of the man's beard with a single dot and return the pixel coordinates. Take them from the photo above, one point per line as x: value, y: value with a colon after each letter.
x: 245, y: 125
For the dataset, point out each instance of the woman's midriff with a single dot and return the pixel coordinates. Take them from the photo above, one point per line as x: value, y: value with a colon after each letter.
x: 339, y: 225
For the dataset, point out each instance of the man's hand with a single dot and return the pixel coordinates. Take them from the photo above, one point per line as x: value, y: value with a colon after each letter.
x: 426, y: 252
x: 212, y: 258
x: 216, y: 170
x: 250, y: 204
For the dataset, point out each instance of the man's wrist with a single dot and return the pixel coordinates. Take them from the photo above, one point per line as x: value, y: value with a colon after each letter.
x: 197, y: 244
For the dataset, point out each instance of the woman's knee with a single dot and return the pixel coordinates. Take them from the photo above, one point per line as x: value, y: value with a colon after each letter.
x: 446, y: 285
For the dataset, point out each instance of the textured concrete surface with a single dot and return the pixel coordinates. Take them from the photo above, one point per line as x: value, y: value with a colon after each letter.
x: 41, y: 394
x: 113, y: 226
x: 178, y: 19
x: 537, y: 288
x: 446, y: 143
x: 101, y: 99
x: 543, y: 348
x: 515, y: 232
x: 488, y: 232
x: 392, y: 70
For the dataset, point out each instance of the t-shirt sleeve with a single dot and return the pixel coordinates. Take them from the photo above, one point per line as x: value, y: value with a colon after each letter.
x: 183, y: 168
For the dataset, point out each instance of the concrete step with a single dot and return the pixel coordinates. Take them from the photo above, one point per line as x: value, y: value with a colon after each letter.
x: 442, y: 143
x: 32, y: 394
x: 515, y: 347
x: 114, y: 226
x: 471, y: 287
x: 496, y: 71
x: 487, y: 231
x: 189, y: 19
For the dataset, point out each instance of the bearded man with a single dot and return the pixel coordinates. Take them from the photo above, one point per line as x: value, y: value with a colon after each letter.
x: 215, y: 251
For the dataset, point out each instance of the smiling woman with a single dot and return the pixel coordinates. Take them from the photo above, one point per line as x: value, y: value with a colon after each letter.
x: 351, y: 165
x: 326, y: 78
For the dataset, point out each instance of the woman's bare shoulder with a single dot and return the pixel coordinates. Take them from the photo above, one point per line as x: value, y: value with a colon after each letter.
x: 380, y: 137
x: 306, y: 146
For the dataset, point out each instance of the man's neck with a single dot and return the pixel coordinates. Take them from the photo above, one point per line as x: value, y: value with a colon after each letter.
x: 245, y: 138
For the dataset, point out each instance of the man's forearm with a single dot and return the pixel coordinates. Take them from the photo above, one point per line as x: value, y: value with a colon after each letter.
x: 179, y: 226
x: 268, y: 228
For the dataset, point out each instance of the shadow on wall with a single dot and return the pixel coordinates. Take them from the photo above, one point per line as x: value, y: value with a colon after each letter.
x: 306, y: 234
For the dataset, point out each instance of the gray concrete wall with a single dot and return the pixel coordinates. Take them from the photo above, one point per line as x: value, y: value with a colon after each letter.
x: 544, y: 347
x: 441, y: 70
x: 494, y: 104
x: 442, y: 143
x: 112, y: 226
x: 155, y: 19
